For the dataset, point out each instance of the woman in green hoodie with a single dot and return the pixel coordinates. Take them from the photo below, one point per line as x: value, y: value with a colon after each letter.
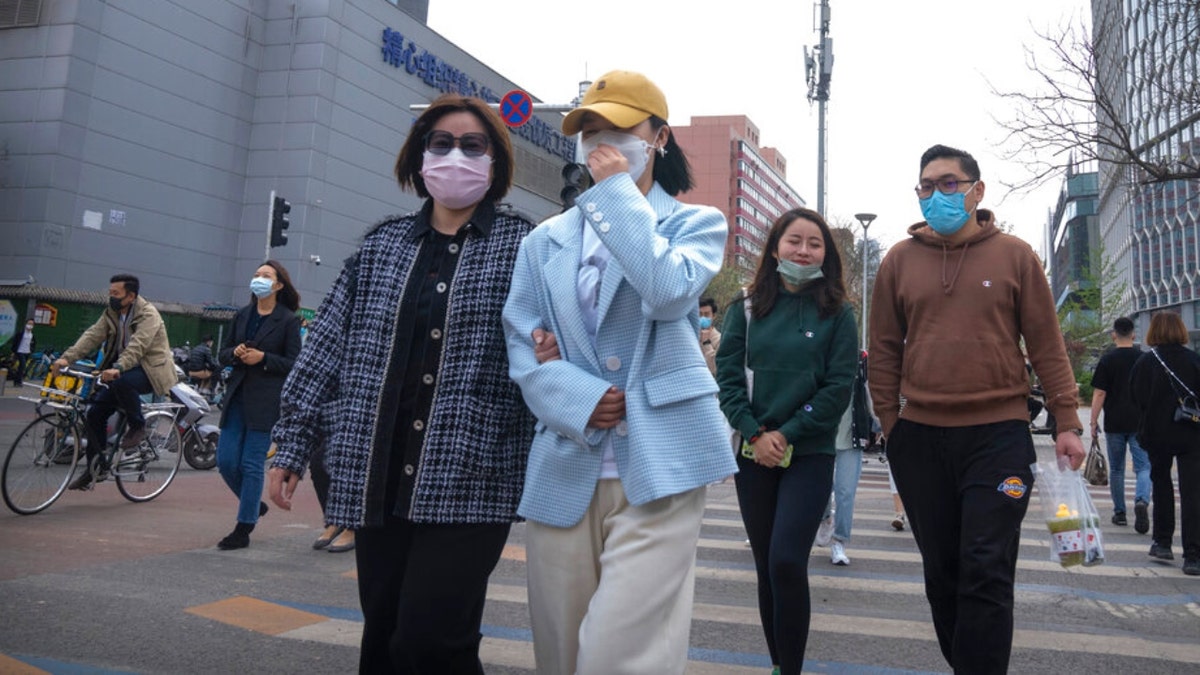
x: 785, y: 382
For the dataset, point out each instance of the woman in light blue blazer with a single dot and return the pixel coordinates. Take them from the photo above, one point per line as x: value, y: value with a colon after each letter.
x: 628, y: 431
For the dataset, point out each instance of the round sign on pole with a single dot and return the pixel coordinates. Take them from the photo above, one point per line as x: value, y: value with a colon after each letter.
x: 516, y: 107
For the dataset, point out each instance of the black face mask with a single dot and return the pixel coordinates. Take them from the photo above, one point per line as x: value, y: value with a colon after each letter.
x: 115, y: 303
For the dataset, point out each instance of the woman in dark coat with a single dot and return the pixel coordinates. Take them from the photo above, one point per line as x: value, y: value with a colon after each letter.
x: 1160, y: 378
x: 427, y: 449
x: 261, y: 346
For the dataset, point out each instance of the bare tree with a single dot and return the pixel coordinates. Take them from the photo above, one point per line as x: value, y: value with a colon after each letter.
x: 1079, y: 112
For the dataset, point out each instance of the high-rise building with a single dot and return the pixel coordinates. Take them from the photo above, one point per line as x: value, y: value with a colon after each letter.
x: 1074, y: 235
x: 746, y: 181
x: 1147, y: 57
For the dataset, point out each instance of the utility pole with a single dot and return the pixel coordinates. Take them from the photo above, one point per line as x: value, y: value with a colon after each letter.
x: 818, y: 67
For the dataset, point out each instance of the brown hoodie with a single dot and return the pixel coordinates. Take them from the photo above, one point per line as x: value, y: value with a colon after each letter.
x: 946, y: 327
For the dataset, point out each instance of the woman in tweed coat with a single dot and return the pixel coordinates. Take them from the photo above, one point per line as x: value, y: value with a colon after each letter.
x: 429, y: 437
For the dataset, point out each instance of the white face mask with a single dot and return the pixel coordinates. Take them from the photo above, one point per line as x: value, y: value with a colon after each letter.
x: 634, y: 148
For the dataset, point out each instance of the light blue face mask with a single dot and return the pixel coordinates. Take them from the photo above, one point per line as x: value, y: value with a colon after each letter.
x: 706, y: 322
x: 797, y: 274
x: 261, y: 287
x: 946, y: 214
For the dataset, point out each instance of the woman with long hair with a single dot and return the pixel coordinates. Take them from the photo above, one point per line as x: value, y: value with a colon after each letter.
x: 261, y: 345
x: 427, y: 447
x: 785, y: 368
x: 1162, y: 379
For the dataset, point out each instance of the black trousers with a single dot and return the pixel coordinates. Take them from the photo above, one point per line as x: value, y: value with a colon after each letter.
x: 422, y: 589
x: 966, y: 490
x: 123, y: 393
x: 19, y: 371
x: 1163, y: 495
x: 782, y: 509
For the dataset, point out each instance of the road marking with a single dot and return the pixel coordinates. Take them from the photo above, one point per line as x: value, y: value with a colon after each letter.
x: 256, y: 615
x: 11, y: 666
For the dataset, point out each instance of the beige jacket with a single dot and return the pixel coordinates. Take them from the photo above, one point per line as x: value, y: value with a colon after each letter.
x: 148, y: 346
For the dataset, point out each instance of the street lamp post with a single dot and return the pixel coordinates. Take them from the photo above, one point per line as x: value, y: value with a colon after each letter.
x: 865, y: 219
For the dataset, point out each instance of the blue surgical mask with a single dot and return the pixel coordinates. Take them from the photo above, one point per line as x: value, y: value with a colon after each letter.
x: 946, y: 214
x: 797, y: 274
x: 261, y: 287
x: 706, y: 322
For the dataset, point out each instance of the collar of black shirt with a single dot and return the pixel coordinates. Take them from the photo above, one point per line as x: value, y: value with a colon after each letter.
x: 480, y: 221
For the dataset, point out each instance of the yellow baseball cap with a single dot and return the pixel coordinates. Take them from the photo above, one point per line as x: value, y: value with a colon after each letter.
x: 622, y: 97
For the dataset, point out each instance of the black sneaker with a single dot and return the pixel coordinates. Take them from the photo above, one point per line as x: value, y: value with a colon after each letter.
x: 1119, y: 519
x: 1191, y: 567
x: 83, y: 482
x: 1141, y: 517
x: 1161, y: 552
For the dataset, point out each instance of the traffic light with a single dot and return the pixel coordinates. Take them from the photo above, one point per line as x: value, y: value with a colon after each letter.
x: 576, y: 179
x: 279, y: 221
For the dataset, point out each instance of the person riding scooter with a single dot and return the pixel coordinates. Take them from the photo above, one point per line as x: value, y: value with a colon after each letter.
x: 202, y: 365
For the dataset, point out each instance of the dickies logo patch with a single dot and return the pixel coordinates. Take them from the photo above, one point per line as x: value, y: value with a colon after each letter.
x: 1013, y: 487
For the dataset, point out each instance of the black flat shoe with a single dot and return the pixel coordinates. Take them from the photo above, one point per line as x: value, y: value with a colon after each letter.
x: 262, y: 509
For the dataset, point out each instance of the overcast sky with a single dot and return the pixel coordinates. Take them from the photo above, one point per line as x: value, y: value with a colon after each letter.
x: 907, y: 74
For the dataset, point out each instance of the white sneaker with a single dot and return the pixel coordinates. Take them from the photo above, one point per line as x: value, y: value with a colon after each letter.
x: 837, y: 555
x: 825, y: 531
x: 898, y: 522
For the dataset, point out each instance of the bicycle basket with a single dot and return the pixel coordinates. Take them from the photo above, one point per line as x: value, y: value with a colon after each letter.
x: 61, y: 382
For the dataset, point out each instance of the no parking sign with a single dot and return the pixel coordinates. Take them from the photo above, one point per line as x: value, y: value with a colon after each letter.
x: 516, y: 107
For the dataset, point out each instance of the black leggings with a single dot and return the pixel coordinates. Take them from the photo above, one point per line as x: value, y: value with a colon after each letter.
x: 782, y: 509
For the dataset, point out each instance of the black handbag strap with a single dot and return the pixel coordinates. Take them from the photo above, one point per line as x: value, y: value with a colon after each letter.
x: 1175, y: 378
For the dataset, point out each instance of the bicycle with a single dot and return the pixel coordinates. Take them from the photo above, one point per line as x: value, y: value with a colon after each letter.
x: 42, y: 460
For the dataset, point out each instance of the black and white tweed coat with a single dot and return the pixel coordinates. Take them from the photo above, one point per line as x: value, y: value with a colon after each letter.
x: 477, y: 439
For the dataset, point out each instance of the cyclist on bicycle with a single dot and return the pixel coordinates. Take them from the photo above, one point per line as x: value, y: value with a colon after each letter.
x: 137, y: 360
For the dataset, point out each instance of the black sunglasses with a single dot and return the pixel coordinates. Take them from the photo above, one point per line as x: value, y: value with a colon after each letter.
x: 442, y: 142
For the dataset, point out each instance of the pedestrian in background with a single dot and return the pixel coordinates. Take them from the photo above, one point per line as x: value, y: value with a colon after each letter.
x: 950, y: 309
x: 710, y: 337
x: 785, y: 378
x: 629, y: 432
x: 430, y: 436
x: 261, y: 345
x: 1161, y: 379
x: 856, y: 429
x: 24, y: 343
x: 1110, y: 394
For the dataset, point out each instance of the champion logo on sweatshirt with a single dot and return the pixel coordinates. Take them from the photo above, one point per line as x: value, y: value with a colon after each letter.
x: 987, y: 283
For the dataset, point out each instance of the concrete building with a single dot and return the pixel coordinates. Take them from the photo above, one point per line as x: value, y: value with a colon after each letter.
x: 735, y: 174
x: 1147, y: 57
x: 146, y: 135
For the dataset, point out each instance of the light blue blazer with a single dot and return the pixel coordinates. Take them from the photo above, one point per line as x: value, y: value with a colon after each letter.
x: 672, y: 438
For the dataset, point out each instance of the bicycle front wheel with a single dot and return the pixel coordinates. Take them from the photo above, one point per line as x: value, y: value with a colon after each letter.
x: 144, y: 471
x: 40, y: 463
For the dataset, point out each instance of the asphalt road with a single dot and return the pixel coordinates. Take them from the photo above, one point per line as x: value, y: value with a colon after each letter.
x: 96, y: 584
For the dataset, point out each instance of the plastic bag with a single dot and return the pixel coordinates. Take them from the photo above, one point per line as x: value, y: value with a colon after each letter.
x: 1070, y: 516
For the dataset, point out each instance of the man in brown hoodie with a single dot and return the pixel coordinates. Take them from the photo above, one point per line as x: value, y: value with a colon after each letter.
x: 950, y: 308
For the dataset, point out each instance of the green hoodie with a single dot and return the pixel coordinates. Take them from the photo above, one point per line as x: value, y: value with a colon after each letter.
x: 803, y: 369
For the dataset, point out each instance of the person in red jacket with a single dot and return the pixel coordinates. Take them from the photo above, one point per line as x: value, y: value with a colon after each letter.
x: 950, y: 309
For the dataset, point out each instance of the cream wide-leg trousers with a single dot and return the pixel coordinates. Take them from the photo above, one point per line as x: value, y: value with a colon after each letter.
x: 613, y: 594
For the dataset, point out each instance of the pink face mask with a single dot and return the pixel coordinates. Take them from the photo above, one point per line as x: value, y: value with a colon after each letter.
x: 455, y: 180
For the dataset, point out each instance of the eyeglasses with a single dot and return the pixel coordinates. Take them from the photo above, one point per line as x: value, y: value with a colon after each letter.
x: 442, y: 142
x: 946, y: 186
